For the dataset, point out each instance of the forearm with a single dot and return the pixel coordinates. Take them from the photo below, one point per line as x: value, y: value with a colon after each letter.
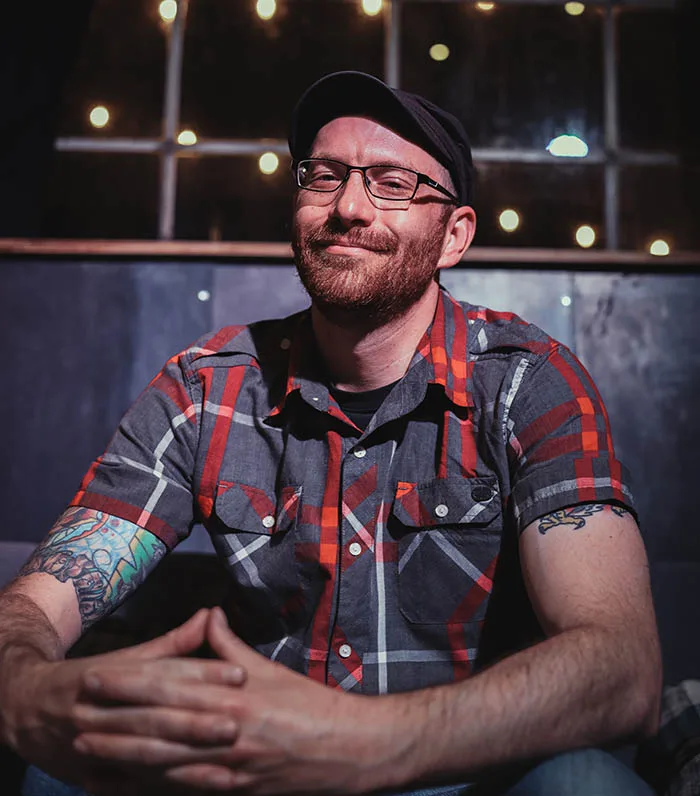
x: 583, y: 687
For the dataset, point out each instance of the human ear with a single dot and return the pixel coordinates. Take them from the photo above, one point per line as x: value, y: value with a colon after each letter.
x: 459, y: 235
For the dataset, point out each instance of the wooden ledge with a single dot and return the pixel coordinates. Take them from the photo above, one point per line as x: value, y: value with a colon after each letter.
x: 598, y: 259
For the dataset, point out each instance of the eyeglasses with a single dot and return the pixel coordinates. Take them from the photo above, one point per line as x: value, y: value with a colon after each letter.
x: 384, y: 182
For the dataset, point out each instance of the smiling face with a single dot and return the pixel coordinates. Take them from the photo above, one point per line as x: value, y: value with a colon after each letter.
x: 364, y: 259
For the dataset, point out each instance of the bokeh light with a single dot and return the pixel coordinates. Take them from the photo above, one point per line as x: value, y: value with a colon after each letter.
x: 439, y: 52
x: 659, y: 248
x: 99, y: 116
x: 567, y: 146
x: 268, y: 163
x: 575, y: 9
x: 187, y: 138
x: 585, y: 236
x: 168, y: 10
x: 266, y: 8
x: 485, y: 6
x: 565, y: 301
x: 509, y: 220
x: 372, y: 7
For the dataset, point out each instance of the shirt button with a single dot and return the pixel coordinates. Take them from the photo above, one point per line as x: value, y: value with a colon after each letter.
x: 355, y: 549
x: 481, y: 494
x: 441, y: 510
x: 285, y: 343
x: 360, y: 452
x: 268, y: 521
x: 345, y: 651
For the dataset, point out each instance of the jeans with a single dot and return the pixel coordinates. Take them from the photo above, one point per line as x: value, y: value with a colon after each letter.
x: 586, y: 772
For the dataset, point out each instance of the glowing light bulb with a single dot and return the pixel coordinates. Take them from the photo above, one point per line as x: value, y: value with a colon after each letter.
x: 575, y: 9
x: 585, y: 236
x: 268, y: 163
x: 660, y: 248
x: 168, y: 10
x: 509, y: 220
x: 187, y: 138
x: 565, y: 301
x: 371, y: 7
x: 439, y: 52
x: 568, y: 146
x: 485, y: 6
x: 266, y: 8
x: 99, y: 116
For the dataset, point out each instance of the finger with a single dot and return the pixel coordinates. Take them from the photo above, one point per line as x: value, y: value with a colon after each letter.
x: 148, y: 752
x: 202, y: 775
x: 202, y: 671
x: 225, y: 643
x: 177, y: 642
x: 197, y: 779
x: 131, y: 687
x: 170, y: 724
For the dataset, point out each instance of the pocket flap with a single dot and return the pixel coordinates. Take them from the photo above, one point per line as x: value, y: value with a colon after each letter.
x: 448, y: 501
x: 250, y: 508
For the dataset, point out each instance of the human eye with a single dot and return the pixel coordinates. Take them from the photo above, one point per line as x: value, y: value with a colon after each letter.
x: 320, y: 173
x: 393, y: 180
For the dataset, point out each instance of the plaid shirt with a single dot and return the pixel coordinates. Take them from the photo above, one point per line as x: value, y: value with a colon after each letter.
x: 366, y: 560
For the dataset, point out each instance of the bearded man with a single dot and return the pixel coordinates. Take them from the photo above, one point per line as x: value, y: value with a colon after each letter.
x: 437, y: 578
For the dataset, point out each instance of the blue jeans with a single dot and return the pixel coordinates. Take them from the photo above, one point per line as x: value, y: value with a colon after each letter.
x: 587, y: 772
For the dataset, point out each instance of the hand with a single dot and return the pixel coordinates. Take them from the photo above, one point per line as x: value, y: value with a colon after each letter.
x: 177, y: 714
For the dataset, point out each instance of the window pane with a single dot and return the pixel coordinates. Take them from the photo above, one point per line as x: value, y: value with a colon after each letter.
x: 242, y: 75
x: 551, y: 201
x: 649, y: 89
x: 228, y: 198
x: 658, y: 202
x: 516, y: 76
x: 102, y: 196
x: 121, y: 66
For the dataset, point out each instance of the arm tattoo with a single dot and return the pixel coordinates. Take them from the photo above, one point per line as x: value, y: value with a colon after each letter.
x: 575, y: 516
x: 105, y: 557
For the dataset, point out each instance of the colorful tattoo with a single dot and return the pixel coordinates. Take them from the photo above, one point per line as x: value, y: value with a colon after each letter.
x: 575, y: 516
x: 105, y: 557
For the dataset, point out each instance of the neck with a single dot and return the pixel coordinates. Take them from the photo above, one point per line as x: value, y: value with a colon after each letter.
x: 358, y: 358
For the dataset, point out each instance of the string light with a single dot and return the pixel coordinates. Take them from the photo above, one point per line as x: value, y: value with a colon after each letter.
x: 99, y: 116
x: 439, y: 52
x: 575, y: 9
x: 509, y: 220
x: 168, y: 10
x: 371, y: 7
x: 268, y: 163
x: 567, y: 146
x: 187, y: 138
x: 585, y: 236
x: 485, y: 6
x: 266, y: 8
x: 659, y: 248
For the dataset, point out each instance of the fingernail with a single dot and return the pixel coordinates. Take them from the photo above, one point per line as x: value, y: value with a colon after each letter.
x: 234, y: 675
x: 80, y: 745
x: 227, y: 731
x: 221, y: 779
x: 93, y: 681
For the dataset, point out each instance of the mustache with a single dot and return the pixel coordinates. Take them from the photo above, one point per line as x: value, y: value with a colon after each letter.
x: 327, y: 235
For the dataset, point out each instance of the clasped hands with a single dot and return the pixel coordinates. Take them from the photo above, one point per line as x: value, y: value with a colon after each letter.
x: 147, y: 720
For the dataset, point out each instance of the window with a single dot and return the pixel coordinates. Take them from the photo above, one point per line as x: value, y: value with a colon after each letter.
x: 519, y: 75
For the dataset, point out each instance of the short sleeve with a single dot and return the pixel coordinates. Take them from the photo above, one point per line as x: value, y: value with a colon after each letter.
x: 559, y: 440
x: 146, y: 474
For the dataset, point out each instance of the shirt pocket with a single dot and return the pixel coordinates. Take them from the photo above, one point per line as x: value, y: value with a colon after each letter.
x: 449, y: 535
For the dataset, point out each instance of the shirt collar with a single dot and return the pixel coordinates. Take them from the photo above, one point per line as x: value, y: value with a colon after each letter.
x: 444, y: 349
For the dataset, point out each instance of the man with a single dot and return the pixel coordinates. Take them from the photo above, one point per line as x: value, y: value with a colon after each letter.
x: 415, y: 498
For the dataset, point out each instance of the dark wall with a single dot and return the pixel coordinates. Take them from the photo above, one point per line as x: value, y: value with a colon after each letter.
x: 81, y: 339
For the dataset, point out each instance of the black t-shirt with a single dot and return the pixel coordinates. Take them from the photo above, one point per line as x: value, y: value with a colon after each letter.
x: 361, y: 406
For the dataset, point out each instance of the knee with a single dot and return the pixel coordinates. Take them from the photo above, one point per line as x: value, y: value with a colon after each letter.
x: 584, y: 772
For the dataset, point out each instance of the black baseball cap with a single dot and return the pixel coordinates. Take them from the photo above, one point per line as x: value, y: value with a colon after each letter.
x: 414, y: 118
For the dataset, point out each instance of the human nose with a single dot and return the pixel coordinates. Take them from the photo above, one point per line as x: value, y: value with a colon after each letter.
x: 354, y: 205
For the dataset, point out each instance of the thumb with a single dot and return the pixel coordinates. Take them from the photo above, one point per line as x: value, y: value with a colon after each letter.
x: 223, y: 641
x: 180, y: 641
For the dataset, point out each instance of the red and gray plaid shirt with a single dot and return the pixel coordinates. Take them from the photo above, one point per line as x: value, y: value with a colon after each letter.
x: 366, y: 560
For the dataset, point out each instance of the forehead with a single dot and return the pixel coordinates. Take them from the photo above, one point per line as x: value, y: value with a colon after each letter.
x: 360, y: 141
